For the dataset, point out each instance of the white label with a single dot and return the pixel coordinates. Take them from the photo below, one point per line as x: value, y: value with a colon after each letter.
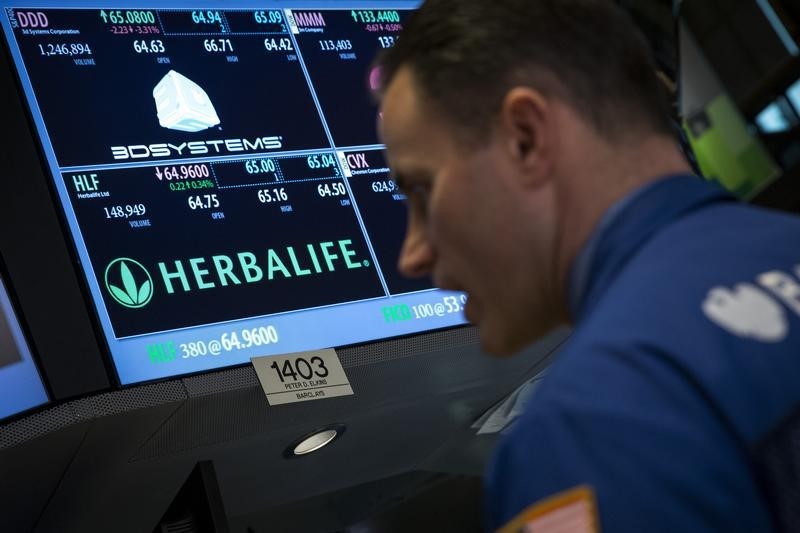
x: 292, y: 22
x: 302, y: 376
x: 343, y: 163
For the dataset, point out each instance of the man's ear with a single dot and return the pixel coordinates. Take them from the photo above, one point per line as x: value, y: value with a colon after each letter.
x: 527, y: 122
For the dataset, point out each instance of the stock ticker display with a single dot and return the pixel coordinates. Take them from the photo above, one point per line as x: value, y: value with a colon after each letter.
x: 223, y: 180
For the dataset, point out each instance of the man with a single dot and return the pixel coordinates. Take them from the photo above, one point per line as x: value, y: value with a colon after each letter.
x: 543, y: 178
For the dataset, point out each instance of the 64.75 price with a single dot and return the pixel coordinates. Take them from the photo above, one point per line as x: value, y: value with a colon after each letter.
x: 203, y: 201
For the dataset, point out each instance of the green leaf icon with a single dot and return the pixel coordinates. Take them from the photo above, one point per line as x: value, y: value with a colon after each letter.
x: 144, y: 292
x: 129, y: 282
x: 131, y: 294
x: 120, y: 295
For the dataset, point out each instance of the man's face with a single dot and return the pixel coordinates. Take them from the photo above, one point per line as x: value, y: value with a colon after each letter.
x: 472, y: 225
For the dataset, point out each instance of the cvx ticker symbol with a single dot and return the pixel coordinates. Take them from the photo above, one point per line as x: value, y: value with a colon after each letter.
x: 129, y: 283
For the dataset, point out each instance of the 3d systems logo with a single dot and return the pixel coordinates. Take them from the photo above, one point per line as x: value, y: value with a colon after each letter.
x: 183, y: 105
x: 129, y: 283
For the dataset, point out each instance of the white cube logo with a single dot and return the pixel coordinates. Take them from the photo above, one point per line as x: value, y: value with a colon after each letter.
x: 182, y: 104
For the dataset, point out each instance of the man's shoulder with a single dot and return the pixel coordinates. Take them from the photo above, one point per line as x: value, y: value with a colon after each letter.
x: 708, y: 240
x: 668, y: 281
x: 711, y: 304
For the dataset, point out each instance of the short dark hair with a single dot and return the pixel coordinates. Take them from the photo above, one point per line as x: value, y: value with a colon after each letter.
x: 465, y: 55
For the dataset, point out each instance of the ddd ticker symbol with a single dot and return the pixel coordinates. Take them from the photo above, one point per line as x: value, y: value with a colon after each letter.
x: 129, y: 283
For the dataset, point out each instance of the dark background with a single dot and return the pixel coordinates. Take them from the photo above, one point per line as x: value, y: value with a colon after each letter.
x: 342, y: 86
x: 385, y: 220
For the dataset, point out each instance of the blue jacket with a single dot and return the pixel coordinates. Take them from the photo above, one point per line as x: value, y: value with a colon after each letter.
x: 685, y: 356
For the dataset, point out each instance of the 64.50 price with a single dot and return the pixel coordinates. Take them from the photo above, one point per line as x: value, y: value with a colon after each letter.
x: 330, y: 190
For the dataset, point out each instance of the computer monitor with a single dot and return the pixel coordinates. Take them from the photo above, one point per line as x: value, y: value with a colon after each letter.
x: 221, y: 178
x: 21, y: 386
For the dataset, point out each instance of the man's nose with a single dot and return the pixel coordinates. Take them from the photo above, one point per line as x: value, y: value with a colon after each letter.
x: 417, y: 255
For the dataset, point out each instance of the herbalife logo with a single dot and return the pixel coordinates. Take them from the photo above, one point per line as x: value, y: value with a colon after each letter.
x: 132, y: 286
x: 129, y: 283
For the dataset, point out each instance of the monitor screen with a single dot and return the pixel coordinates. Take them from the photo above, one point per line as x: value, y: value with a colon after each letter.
x: 221, y: 176
x: 21, y: 386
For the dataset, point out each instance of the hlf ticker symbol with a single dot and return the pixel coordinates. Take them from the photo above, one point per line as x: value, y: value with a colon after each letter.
x: 129, y: 283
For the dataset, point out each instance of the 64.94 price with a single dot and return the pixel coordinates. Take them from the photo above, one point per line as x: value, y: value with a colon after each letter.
x: 206, y: 17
